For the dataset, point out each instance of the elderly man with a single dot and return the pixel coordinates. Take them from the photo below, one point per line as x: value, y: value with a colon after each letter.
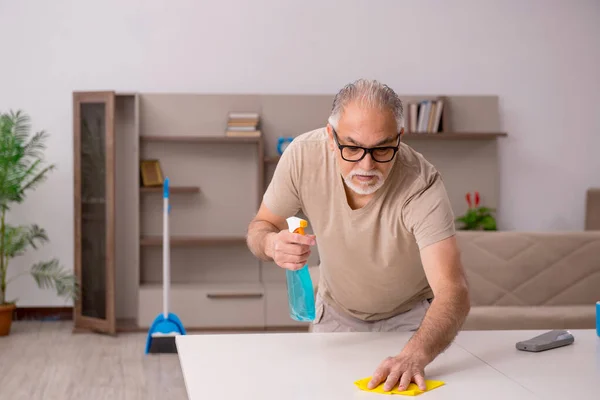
x: 383, y: 225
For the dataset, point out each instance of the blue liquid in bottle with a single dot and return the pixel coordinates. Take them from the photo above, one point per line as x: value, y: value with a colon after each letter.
x: 301, y: 297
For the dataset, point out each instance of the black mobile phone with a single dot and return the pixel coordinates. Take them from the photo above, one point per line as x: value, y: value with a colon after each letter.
x: 546, y: 341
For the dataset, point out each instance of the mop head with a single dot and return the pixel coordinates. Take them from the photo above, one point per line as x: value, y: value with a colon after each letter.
x: 163, y: 343
x: 162, y: 333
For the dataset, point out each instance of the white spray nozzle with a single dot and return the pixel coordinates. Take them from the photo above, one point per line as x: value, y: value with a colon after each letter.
x: 295, y: 223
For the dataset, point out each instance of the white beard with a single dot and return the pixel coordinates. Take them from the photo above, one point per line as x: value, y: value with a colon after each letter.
x: 365, y: 188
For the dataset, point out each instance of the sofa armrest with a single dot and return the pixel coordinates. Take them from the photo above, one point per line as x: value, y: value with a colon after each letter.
x: 592, y: 210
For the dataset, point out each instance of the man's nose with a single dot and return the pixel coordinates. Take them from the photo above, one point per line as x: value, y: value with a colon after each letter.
x: 367, y: 162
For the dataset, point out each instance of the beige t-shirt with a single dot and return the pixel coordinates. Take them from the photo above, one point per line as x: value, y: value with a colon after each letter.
x: 370, y: 265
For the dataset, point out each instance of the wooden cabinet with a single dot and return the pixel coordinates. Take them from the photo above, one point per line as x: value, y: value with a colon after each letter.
x: 94, y: 201
x: 208, y: 305
x: 106, y: 204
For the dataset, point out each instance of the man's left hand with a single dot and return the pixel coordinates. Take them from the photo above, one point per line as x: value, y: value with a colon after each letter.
x: 403, y: 368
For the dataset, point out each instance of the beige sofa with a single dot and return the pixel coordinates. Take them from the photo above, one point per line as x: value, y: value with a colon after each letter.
x: 530, y: 280
x: 592, y: 209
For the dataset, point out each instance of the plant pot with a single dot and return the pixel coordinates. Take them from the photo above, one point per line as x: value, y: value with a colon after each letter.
x: 6, y: 316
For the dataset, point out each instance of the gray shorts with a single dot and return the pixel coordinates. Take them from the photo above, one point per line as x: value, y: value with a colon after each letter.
x: 327, y: 319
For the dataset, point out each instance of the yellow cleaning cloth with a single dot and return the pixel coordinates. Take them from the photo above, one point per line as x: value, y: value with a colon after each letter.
x: 412, y: 390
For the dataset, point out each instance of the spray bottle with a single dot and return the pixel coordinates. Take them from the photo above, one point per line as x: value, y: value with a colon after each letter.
x: 301, y: 297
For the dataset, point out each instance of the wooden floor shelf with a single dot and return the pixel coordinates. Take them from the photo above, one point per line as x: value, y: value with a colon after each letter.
x: 455, y: 136
x: 172, y: 189
x: 200, y: 139
x: 193, y: 240
x: 431, y: 136
x: 219, y: 178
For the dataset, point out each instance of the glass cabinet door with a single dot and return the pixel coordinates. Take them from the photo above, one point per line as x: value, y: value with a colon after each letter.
x: 94, y: 172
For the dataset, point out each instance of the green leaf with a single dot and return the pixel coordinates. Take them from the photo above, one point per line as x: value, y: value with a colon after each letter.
x: 17, y: 239
x: 21, y: 159
x: 488, y: 223
x: 471, y: 218
x: 35, y: 146
x: 50, y: 274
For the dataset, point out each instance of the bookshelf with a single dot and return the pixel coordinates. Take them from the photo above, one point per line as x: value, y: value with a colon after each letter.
x: 192, y: 240
x: 172, y: 189
x: 198, y: 139
x: 454, y: 136
x: 217, y: 186
x: 441, y: 136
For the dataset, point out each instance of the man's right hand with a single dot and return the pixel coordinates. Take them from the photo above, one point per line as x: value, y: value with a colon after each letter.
x: 289, y: 250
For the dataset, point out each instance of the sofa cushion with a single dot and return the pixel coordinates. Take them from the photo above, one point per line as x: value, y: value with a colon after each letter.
x: 531, y: 317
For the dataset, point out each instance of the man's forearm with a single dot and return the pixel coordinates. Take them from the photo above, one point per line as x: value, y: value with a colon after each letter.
x: 258, y: 239
x: 441, y: 324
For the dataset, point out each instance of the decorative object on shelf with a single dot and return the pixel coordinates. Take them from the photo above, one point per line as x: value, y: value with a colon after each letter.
x: 151, y: 173
x: 477, y: 218
x: 21, y: 169
x: 283, y: 143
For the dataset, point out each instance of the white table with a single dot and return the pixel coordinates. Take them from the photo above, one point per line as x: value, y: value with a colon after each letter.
x: 479, y: 365
x: 573, y: 371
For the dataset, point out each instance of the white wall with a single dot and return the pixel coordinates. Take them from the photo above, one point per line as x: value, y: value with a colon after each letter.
x: 541, y: 57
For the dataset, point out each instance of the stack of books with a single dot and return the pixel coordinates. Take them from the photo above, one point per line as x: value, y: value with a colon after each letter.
x: 425, y: 116
x: 243, y: 124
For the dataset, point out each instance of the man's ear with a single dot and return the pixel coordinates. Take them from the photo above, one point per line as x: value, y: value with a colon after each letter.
x: 329, y: 136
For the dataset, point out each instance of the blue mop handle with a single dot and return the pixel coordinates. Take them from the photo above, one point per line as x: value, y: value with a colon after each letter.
x: 166, y: 266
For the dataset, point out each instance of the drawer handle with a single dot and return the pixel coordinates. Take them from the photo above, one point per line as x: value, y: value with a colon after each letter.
x: 234, y: 295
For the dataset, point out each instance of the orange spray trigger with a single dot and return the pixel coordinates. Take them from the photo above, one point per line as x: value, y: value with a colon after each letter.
x: 297, y: 225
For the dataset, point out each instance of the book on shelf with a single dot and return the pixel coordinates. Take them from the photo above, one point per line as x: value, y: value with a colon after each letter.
x: 424, y: 116
x: 243, y: 120
x: 241, y: 128
x: 235, y: 133
x: 243, y: 115
x: 243, y: 124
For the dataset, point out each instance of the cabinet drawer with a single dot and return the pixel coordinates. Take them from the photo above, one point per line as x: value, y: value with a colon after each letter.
x: 206, y: 305
x: 277, y: 308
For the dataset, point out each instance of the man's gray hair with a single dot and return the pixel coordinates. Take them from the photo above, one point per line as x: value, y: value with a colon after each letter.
x: 368, y: 93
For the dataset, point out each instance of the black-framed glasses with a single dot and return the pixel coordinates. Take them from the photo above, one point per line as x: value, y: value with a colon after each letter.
x: 382, y: 154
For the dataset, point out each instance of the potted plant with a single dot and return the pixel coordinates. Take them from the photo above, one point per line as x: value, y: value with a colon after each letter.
x: 22, y: 169
x: 476, y: 217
